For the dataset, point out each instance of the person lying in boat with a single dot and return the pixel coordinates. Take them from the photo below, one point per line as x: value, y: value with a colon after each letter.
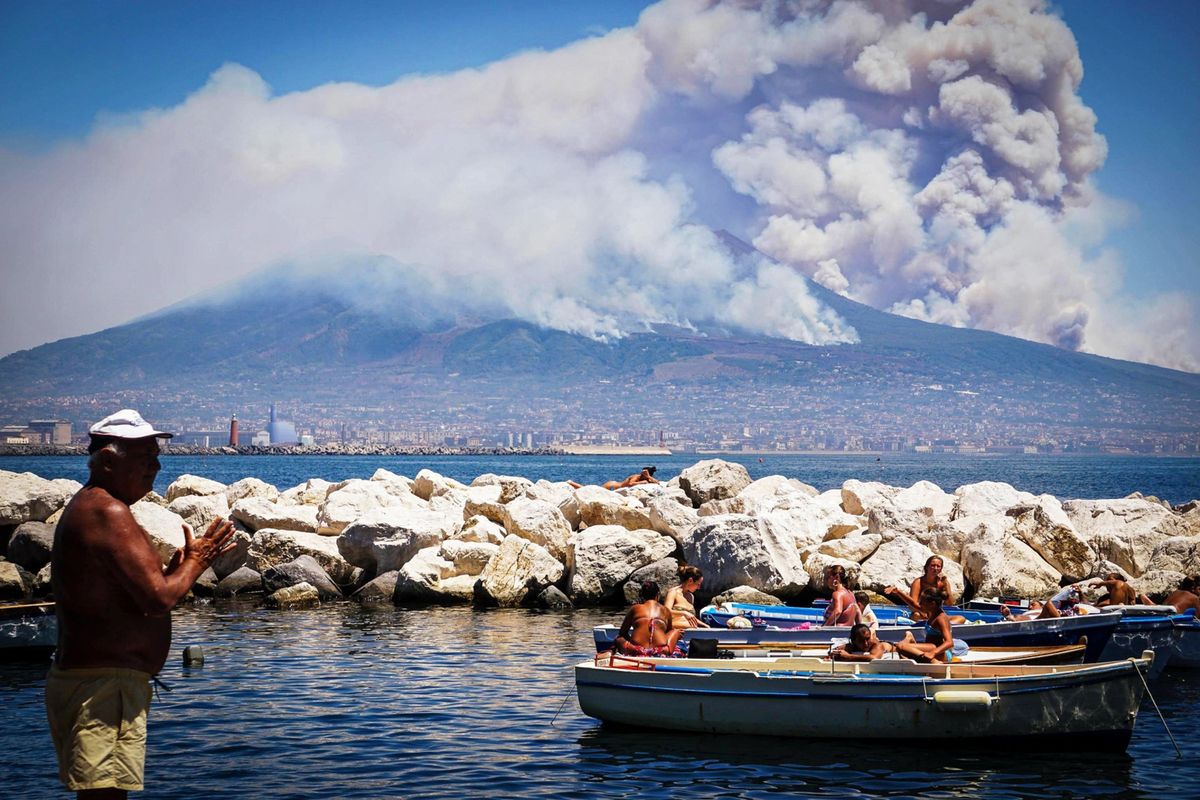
x: 866, y: 614
x: 1185, y: 598
x: 1067, y: 603
x: 939, y: 644
x: 931, y: 578
x: 646, y: 630
x: 681, y: 601
x: 864, y: 645
x: 842, y: 610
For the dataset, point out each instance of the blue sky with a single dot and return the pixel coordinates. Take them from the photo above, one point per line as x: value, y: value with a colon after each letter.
x: 63, y: 65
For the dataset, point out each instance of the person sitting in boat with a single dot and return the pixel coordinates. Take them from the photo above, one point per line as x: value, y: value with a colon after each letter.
x: 842, y: 610
x: 647, y: 630
x: 866, y: 614
x: 931, y: 578
x: 1067, y: 603
x: 1119, y: 593
x: 681, y: 601
x: 939, y: 644
x: 864, y: 645
x: 1185, y: 598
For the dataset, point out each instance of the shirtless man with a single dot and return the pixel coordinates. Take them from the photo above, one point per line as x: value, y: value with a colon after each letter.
x: 1184, y: 598
x: 843, y: 608
x: 1118, y: 592
x: 863, y: 646
x: 114, y: 601
x: 646, y: 630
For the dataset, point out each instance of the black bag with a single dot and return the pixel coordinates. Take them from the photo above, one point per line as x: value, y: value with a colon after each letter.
x: 702, y: 648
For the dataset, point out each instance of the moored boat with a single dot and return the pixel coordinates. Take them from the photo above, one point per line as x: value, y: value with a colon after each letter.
x: 28, y: 631
x: 1185, y: 650
x: 1071, y: 707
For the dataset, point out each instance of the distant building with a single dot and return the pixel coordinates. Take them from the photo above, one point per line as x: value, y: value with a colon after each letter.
x: 281, y: 431
x: 261, y: 439
x: 52, y: 431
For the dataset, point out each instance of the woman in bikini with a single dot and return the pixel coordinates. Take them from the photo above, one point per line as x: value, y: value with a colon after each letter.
x: 939, y: 644
x: 931, y: 578
x: 647, y: 630
x: 681, y: 601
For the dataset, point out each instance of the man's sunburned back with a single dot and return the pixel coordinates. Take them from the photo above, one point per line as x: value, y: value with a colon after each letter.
x: 1183, y: 600
x: 100, y: 622
x: 1121, y: 593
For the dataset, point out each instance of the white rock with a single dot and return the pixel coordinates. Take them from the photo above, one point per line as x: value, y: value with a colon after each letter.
x: 257, y: 513
x: 899, y: 562
x: 387, y: 476
x: 926, y: 498
x: 737, y: 550
x: 511, y: 486
x: 428, y: 484
x: 1176, y: 554
x: 599, y: 506
x: 713, y: 479
x: 200, y: 510
x: 811, y: 519
x: 859, y: 497
x: 998, y: 563
x: 386, y: 538
x: 764, y: 493
x: 420, y: 578
x: 855, y: 548
x: 672, y: 518
x: 250, y: 487
x: 1045, y: 527
x: 310, y: 493
x: 164, y: 527
x: 561, y: 494
x: 355, y: 499
x: 193, y: 485
x: 816, y: 564
x: 25, y: 497
x: 988, y: 497
x: 604, y: 556
x: 480, y: 529
x: 468, y: 558
x: 1126, y: 532
x: 270, y: 548
x: 539, y: 522
x: 518, y: 572
x: 485, y: 501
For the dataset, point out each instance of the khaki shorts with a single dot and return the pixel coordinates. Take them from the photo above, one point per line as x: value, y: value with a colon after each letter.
x: 98, y: 723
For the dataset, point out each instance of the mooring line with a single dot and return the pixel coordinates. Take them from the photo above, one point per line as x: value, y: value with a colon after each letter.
x: 562, y: 705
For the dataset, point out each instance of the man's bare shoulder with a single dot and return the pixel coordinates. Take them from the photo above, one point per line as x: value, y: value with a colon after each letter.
x: 94, y: 511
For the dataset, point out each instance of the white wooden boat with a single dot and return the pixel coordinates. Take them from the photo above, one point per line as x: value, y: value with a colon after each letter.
x: 1069, y: 707
x: 28, y: 631
x: 1062, y: 654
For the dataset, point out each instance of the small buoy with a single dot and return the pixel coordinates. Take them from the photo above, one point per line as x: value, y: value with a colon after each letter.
x: 193, y: 655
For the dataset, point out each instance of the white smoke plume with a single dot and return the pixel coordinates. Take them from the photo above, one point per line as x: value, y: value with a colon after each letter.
x: 926, y: 157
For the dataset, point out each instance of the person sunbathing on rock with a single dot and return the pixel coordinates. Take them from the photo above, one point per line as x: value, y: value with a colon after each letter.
x: 643, y: 477
x: 647, y: 630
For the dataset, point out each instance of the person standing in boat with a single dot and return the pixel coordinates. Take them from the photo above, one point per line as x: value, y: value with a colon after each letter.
x: 681, y: 600
x: 647, y: 630
x: 843, y: 608
x: 931, y: 578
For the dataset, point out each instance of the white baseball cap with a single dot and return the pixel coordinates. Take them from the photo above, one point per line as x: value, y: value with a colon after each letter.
x: 126, y: 424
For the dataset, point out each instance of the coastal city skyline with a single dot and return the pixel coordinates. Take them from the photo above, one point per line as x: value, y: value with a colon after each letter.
x: 1110, y: 219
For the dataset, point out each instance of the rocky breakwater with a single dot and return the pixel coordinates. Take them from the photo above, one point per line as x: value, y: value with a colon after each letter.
x: 510, y: 541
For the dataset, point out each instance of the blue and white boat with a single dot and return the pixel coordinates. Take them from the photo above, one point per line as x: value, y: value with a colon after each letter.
x: 28, y: 632
x: 1185, y: 652
x: 1069, y: 707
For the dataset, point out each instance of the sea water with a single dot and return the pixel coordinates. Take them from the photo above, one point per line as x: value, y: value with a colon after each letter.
x: 341, y: 702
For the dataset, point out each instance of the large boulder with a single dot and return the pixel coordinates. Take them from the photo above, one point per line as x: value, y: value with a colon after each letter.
x: 242, y: 580
x: 859, y: 497
x: 511, y: 487
x: 163, y: 526
x: 355, y: 499
x: 30, y: 545
x: 480, y: 529
x: 1158, y: 582
x: 250, y: 487
x: 304, y: 569
x: 257, y: 513
x: 603, y: 557
x: 302, y: 595
x: 988, y: 497
x: 890, y: 522
x: 378, y: 592
x: 664, y: 572
x: 468, y: 558
x: 746, y: 594
x: 193, y: 486
x: 270, y: 548
x: 16, y: 583
x: 1045, y: 527
x: 926, y: 498
x: 759, y: 497
x: 811, y: 519
x: 1180, y: 554
x: 1126, y: 532
x: 599, y: 506
x: 387, y: 476
x: 386, y: 538
x: 235, y: 558
x: 538, y: 521
x: 713, y: 479
x: 429, y: 578
x: 737, y: 549
x: 25, y: 497
x: 484, y: 501
x: 857, y: 547
x: 429, y: 484
x: 310, y: 493
x: 199, y: 511
x: 671, y: 518
x: 518, y: 573
x: 998, y: 563
x: 898, y: 562
x: 561, y: 494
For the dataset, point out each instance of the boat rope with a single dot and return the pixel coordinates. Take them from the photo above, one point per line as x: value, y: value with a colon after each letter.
x: 1178, y: 752
x: 563, y: 704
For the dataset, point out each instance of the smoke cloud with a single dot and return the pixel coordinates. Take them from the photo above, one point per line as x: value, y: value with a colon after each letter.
x: 930, y: 158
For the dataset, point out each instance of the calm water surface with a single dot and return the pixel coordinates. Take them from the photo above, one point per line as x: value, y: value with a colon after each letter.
x: 340, y: 702
x: 1065, y: 476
